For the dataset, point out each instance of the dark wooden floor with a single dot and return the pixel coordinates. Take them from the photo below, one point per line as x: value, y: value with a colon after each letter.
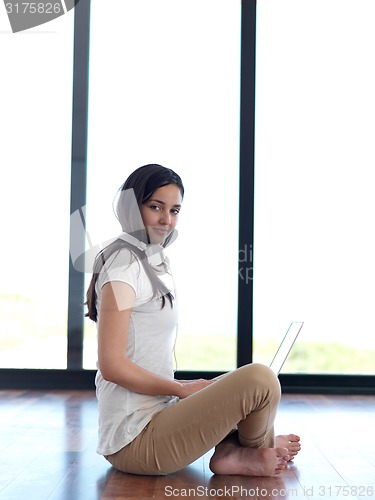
x: 48, y: 440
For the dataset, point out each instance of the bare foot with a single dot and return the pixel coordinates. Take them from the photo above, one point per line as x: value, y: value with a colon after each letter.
x: 233, y: 459
x: 291, y: 442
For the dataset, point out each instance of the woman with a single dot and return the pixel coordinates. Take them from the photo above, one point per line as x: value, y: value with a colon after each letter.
x: 150, y: 423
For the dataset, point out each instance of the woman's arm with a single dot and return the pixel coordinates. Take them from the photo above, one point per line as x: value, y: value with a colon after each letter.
x: 115, y: 309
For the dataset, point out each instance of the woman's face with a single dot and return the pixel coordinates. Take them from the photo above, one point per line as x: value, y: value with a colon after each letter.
x: 160, y: 213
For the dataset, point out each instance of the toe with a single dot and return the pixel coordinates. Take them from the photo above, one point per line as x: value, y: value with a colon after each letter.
x: 283, y: 453
x: 293, y: 438
x: 294, y: 447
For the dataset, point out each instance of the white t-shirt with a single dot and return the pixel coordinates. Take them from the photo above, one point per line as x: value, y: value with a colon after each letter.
x: 152, y: 334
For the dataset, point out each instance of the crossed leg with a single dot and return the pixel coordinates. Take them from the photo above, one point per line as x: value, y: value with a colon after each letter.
x: 246, y: 398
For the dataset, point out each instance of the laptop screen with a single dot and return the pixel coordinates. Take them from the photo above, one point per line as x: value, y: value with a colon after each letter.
x: 285, y: 346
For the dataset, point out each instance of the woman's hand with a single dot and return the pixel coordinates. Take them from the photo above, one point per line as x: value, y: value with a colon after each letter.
x: 189, y: 387
x: 116, y: 305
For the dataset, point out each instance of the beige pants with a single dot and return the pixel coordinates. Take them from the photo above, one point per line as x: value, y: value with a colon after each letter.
x: 246, y: 399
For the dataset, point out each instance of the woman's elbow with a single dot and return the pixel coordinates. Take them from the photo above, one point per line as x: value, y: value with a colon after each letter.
x: 108, y: 372
x: 108, y: 376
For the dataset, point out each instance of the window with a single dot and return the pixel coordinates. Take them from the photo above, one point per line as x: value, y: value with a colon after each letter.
x: 313, y: 245
x: 164, y: 89
x: 36, y: 90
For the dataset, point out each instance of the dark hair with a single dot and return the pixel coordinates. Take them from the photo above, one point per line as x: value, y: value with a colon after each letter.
x: 142, y: 183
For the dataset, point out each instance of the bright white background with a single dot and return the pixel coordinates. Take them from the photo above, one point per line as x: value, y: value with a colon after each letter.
x: 164, y: 88
x: 315, y: 127
x: 35, y: 159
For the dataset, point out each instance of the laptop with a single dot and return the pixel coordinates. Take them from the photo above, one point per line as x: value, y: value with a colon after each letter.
x: 286, y: 345
x: 284, y: 348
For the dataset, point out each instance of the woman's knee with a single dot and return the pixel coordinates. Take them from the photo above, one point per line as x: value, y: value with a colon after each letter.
x: 261, y: 376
